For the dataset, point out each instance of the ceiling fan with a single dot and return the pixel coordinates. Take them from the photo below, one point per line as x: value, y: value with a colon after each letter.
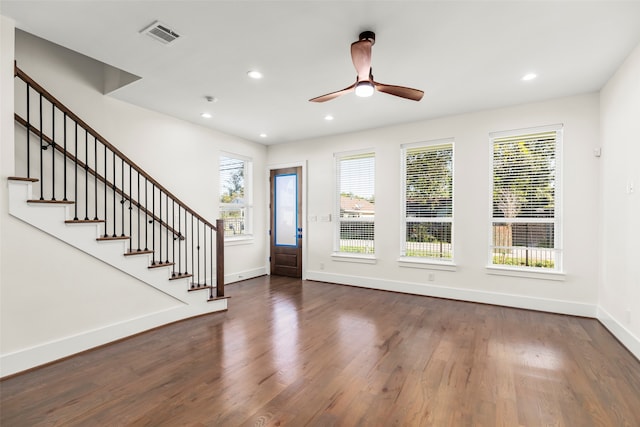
x: 365, y: 85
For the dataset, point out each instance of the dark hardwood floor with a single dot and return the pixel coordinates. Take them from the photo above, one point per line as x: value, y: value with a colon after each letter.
x: 299, y: 353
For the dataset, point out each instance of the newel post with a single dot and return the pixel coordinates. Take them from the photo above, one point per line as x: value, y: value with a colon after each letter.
x: 219, y: 258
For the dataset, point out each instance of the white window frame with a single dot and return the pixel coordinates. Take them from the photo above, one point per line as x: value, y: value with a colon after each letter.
x: 555, y: 273
x: 337, y: 254
x: 426, y: 262
x: 247, y: 205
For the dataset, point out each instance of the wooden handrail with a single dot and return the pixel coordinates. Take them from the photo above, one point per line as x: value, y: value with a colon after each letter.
x: 99, y: 177
x: 59, y: 105
x: 200, y: 260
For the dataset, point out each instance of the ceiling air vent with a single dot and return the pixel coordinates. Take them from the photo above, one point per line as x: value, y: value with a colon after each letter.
x: 161, y: 32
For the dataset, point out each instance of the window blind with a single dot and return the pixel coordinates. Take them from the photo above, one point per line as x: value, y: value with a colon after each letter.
x: 231, y: 179
x: 355, y: 195
x: 232, y: 196
x: 525, y: 224
x: 524, y: 173
x: 428, y: 201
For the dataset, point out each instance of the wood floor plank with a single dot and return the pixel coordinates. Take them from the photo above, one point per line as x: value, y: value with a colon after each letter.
x: 295, y: 353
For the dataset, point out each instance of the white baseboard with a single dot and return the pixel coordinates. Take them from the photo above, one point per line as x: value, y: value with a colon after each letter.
x: 485, y: 297
x: 626, y: 337
x: 41, y: 354
x: 244, y: 275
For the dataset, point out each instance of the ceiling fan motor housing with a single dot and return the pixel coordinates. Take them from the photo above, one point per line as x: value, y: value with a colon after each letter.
x: 368, y: 35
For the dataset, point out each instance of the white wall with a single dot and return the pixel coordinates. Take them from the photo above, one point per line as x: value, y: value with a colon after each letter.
x: 576, y: 294
x: 599, y: 217
x: 50, y: 291
x: 620, y: 133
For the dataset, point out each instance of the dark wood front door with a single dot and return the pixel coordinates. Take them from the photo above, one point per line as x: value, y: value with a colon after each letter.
x: 286, y: 221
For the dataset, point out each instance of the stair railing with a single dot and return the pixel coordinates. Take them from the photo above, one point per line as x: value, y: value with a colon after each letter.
x: 107, y: 187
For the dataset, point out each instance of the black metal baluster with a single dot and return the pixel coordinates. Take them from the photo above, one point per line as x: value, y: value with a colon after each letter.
x: 28, y: 131
x: 204, y: 257
x: 75, y: 174
x: 138, y: 205
x: 106, y: 233
x: 53, y: 152
x: 124, y: 198
x: 153, y: 219
x: 179, y: 241
x: 173, y: 242
x: 211, y: 265
x: 198, y: 247
x: 167, y: 228
x: 64, y: 155
x: 95, y: 178
x: 130, y: 209
x: 146, y: 209
x: 41, y: 149
x: 159, y: 229
x: 86, y: 175
x: 192, y: 253
x: 113, y: 161
x: 185, y: 240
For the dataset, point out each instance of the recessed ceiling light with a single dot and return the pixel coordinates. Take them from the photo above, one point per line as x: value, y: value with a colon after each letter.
x: 529, y: 76
x: 206, y: 115
x: 263, y: 135
x: 328, y: 117
x: 254, y: 74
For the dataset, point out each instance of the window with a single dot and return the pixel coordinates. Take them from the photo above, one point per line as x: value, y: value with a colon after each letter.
x: 355, y: 207
x: 235, y: 200
x: 526, y: 199
x: 428, y: 201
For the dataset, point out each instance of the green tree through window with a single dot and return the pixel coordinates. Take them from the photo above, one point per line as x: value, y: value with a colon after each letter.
x: 233, y: 195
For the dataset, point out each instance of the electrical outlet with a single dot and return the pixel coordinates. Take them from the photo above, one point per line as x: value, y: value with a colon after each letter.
x: 431, y: 277
x: 322, y: 266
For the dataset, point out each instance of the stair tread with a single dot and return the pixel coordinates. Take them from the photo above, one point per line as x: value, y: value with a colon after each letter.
x: 180, y: 276
x: 83, y: 221
x: 21, y: 178
x: 106, y: 238
x: 138, y: 252
x: 53, y: 202
x: 162, y: 264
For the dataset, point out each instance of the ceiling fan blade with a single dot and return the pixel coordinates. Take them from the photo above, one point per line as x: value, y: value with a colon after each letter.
x: 401, y: 91
x: 361, y: 57
x: 332, y: 95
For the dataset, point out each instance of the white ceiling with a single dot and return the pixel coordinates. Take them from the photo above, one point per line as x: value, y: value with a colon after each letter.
x: 466, y: 56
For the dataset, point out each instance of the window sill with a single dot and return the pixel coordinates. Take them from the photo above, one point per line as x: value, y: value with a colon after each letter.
x: 239, y: 240
x: 414, y: 262
x: 347, y: 257
x: 531, y: 274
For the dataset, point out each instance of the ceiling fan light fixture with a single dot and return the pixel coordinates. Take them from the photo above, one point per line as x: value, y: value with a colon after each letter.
x: 364, y: 89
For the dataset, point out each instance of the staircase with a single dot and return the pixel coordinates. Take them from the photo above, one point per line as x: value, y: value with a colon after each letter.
x: 77, y: 187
